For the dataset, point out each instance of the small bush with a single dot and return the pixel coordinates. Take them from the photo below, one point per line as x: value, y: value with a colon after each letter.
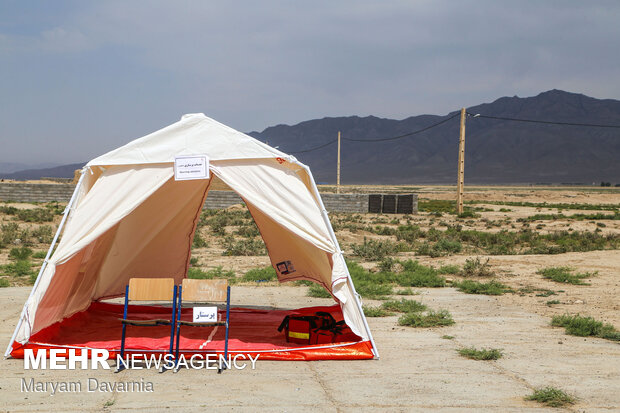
x: 35, y: 215
x: 415, y: 274
x: 552, y: 302
x: 18, y: 268
x: 197, y: 273
x: 317, y: 291
x: 4, y: 283
x: 193, y: 261
x: 39, y: 254
x: 260, y: 274
x: 373, y: 250
x: 447, y: 337
x: 373, y: 291
x: 430, y: 319
x: 474, y: 287
x: 482, y: 354
x: 21, y: 253
x: 248, y: 231
x: 375, y: 312
x: 551, y: 397
x: 474, y: 267
x: 199, y: 241
x: 440, y: 248
x: 564, y: 275
x: 448, y: 269
x: 44, y: 234
x: 387, y: 264
x: 246, y: 247
x: 403, y: 306
x: 585, y: 326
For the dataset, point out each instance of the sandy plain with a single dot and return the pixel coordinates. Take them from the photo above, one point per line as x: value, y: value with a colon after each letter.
x: 418, y: 369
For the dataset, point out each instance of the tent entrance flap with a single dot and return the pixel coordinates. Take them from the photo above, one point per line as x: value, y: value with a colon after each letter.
x: 252, y: 331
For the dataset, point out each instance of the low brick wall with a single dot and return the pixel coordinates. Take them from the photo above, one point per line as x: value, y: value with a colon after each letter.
x: 21, y: 192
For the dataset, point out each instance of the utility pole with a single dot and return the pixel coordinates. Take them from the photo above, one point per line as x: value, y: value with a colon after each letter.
x: 460, y: 189
x: 338, y: 172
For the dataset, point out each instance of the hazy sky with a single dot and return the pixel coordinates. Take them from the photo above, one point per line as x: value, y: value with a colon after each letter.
x: 79, y: 78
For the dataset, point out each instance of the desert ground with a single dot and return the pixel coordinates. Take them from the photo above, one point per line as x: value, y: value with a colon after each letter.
x: 508, y: 236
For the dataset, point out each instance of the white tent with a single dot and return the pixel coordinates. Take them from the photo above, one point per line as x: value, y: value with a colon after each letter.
x: 129, y: 217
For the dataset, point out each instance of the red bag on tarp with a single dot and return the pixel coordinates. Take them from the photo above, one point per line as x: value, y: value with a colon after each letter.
x: 320, y: 328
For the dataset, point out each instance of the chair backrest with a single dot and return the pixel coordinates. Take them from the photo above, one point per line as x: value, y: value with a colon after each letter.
x: 151, y: 289
x: 204, y: 290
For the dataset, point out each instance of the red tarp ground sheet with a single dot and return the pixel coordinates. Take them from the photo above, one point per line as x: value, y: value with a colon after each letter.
x: 251, y: 331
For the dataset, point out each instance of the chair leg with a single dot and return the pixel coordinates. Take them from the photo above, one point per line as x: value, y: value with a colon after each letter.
x: 179, y: 309
x: 227, y: 323
x: 121, y: 366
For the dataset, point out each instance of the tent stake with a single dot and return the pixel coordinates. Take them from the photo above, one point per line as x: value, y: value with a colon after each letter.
x: 44, y: 265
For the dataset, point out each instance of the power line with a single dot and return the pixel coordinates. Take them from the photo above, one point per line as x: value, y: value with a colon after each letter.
x: 378, y: 140
x: 477, y: 115
x: 317, y: 148
x: 406, y: 134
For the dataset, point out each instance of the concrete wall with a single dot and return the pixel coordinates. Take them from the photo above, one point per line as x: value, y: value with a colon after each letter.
x: 21, y: 192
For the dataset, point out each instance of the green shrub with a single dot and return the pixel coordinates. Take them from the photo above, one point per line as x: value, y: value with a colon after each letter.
x: 564, y: 275
x: 409, y: 233
x: 368, y: 289
x: 217, y: 272
x: 429, y: 319
x: 39, y: 254
x: 440, y: 248
x: 21, y: 253
x: 260, y: 274
x: 474, y: 287
x: 44, y: 234
x: 35, y: 215
x: 375, y: 312
x: 4, y: 283
x: 387, y: 264
x: 585, y: 326
x: 317, y: 291
x: 374, y: 250
x: 248, y: 231
x: 448, y: 269
x: 8, y: 210
x: 199, y: 241
x: 18, y: 268
x: 197, y: 273
x: 551, y: 397
x: 476, y: 268
x: 403, y: 306
x: 482, y: 354
x: 244, y: 247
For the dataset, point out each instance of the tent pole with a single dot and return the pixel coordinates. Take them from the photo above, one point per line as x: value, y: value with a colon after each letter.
x: 44, y: 265
x: 339, y: 251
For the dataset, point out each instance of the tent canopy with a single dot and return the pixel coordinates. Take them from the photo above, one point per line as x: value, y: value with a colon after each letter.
x: 131, y: 218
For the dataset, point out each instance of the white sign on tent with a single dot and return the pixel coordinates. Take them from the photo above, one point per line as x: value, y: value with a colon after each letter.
x: 191, y: 167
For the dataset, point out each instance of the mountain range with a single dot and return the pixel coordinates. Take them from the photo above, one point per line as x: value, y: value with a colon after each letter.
x: 496, y: 151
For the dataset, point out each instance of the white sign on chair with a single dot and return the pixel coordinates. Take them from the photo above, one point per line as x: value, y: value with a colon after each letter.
x: 205, y: 315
